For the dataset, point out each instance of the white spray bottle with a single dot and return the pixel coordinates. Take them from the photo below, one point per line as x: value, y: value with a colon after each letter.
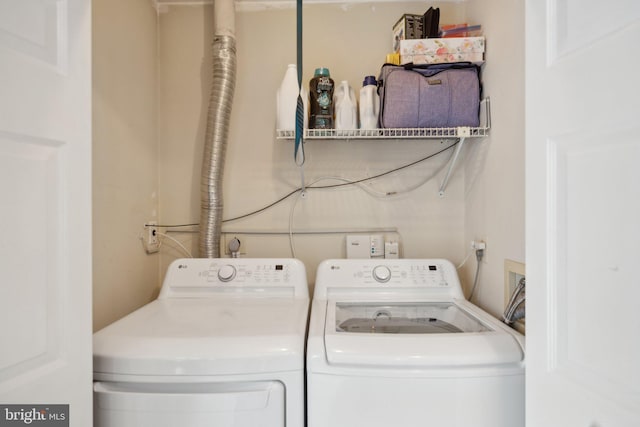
x: 346, y: 107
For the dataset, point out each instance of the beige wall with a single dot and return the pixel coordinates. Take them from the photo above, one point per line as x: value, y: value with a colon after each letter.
x: 494, y: 168
x: 125, y: 156
x: 149, y: 122
x: 352, y: 42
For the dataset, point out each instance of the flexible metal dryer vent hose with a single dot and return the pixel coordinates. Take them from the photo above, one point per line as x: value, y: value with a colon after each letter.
x: 219, y: 115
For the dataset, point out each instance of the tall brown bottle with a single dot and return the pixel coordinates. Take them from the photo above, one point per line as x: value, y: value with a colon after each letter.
x: 321, y: 100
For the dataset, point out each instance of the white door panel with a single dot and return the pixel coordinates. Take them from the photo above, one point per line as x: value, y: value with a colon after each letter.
x: 45, y: 189
x: 575, y: 24
x: 36, y: 29
x: 583, y: 205
x: 29, y: 273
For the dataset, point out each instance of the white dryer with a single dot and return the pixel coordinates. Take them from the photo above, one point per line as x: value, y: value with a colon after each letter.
x: 395, y: 343
x: 222, y: 345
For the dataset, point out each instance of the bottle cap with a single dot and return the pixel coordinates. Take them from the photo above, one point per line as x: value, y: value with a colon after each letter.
x: 321, y: 72
x: 369, y: 80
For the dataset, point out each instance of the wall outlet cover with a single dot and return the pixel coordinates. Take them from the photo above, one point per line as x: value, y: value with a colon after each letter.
x: 359, y: 247
x: 391, y: 250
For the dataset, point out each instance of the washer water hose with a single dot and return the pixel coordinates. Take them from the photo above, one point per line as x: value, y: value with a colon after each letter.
x: 515, y: 309
x: 218, y: 118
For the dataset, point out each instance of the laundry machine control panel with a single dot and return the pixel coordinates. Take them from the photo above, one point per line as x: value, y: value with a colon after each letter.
x: 432, y: 275
x: 381, y: 273
x: 227, y: 273
x: 198, y: 277
x: 429, y: 275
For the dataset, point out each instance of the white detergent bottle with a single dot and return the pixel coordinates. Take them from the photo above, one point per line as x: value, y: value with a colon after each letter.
x: 346, y: 107
x: 369, y: 103
x: 287, y: 101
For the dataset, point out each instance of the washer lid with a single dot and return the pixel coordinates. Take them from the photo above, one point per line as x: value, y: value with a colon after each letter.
x: 205, y: 337
x: 404, y: 318
x: 415, y: 334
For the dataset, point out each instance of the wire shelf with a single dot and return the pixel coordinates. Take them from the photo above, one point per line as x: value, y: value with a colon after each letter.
x: 396, y: 133
x: 399, y: 133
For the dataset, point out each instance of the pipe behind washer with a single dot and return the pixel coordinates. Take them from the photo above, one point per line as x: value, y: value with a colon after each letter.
x: 218, y: 118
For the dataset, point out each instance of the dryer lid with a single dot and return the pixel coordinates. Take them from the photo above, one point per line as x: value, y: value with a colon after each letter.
x: 415, y: 334
x: 205, y: 337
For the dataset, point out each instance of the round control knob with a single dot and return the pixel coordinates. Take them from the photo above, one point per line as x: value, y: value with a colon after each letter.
x: 381, y: 273
x: 226, y: 273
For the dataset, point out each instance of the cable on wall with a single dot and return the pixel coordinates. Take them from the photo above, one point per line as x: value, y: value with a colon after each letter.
x: 180, y: 245
x: 345, y: 182
x: 348, y: 183
x: 295, y: 202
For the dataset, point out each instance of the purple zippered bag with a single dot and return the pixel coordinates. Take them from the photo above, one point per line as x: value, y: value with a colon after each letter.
x: 430, y: 95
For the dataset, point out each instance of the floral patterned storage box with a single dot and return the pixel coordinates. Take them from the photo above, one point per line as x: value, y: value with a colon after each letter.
x: 432, y: 51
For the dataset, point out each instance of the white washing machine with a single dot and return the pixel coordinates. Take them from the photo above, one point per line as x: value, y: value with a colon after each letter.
x: 395, y: 343
x: 223, y: 345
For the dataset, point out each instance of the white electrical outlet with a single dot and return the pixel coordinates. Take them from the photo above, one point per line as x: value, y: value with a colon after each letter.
x: 151, y: 238
x: 478, y: 244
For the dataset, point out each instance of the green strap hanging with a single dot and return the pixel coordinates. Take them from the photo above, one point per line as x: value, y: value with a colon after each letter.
x: 298, y: 154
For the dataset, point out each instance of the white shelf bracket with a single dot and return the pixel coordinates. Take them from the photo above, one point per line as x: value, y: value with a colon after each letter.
x: 452, y: 163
